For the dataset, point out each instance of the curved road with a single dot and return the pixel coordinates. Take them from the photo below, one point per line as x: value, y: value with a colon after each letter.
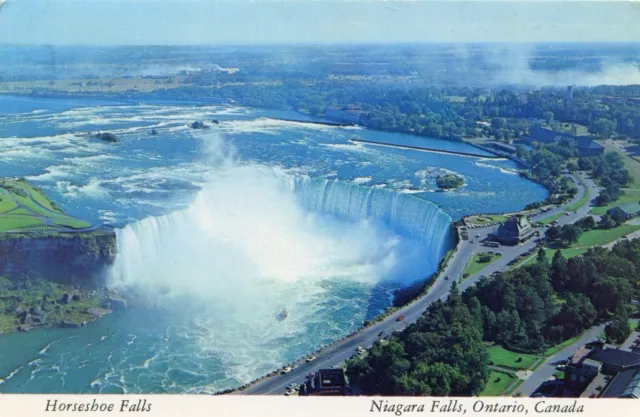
x: 337, y: 353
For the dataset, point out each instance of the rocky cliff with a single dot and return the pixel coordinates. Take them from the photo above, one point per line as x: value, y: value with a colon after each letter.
x: 78, y: 259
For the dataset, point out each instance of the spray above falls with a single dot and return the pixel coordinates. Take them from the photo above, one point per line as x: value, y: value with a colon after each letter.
x: 252, y: 224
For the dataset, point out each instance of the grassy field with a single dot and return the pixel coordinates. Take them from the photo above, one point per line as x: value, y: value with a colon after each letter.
x: 10, y: 222
x: 497, y: 384
x: 630, y: 195
x: 6, y: 204
x: 487, y: 218
x: 601, y: 237
x: 474, y: 265
x: 506, y: 359
x: 25, y: 208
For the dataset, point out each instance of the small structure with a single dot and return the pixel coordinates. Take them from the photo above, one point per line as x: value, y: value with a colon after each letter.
x: 624, y: 212
x: 514, y: 231
x: 581, y: 370
x: 327, y: 382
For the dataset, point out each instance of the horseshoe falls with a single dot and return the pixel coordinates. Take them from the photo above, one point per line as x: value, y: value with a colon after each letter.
x: 212, y: 248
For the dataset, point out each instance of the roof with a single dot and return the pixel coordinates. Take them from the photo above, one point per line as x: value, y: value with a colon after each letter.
x: 626, y: 383
x: 617, y: 357
x: 514, y: 226
x: 633, y: 389
x: 545, y: 135
x: 332, y: 378
x: 586, y: 143
x: 629, y: 208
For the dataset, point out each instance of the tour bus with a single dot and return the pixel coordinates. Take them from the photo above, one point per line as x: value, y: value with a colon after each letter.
x: 493, y: 244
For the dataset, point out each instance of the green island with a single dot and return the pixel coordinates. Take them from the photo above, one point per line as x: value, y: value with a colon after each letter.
x: 449, y: 181
x: 53, y: 290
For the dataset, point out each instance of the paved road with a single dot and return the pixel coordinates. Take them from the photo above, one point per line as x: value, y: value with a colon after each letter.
x: 342, y: 350
x: 547, y: 369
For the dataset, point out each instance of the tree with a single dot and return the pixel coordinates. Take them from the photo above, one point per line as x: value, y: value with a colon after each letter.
x: 498, y: 123
x: 619, y: 330
x: 558, y: 271
x: 548, y: 116
x: 541, y: 257
x: 603, y: 127
x: 607, y: 222
x: 570, y: 233
x: 586, y: 223
x: 603, y: 199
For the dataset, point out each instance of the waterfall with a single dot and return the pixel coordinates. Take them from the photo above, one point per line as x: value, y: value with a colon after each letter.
x: 253, y: 224
x: 404, y: 214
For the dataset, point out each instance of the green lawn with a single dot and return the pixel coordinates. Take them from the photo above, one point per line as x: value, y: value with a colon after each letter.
x: 547, y: 220
x: 32, y: 207
x: 602, y: 236
x: 630, y: 196
x: 40, y: 198
x: 474, y: 265
x: 581, y: 202
x: 70, y: 222
x: 11, y: 222
x: 488, y: 218
x: 506, y: 359
x: 497, y: 384
x: 6, y: 203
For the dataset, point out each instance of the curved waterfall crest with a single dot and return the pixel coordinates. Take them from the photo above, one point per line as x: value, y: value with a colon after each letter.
x: 403, y: 213
x: 258, y: 224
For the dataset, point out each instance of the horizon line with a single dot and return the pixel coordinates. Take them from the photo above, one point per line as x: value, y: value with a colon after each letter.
x: 327, y: 43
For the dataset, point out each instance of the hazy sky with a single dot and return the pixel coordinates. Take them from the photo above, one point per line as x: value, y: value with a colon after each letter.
x: 314, y: 21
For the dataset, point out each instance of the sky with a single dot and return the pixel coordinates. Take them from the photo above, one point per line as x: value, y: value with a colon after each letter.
x: 198, y: 22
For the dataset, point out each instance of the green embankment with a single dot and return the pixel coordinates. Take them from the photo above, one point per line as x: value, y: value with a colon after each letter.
x: 26, y: 208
